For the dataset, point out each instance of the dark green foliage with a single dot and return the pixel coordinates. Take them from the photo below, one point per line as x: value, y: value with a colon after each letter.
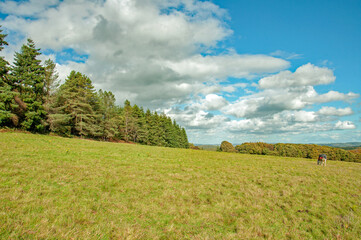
x: 150, y: 128
x: 227, y: 147
x: 75, y: 108
x: 6, y: 94
x: 108, y: 111
x: 299, y: 150
x: 27, y: 78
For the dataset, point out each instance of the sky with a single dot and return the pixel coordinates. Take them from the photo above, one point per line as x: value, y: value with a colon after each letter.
x: 242, y: 71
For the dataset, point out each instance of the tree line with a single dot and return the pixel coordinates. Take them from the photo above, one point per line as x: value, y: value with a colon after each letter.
x: 292, y: 150
x: 32, y: 99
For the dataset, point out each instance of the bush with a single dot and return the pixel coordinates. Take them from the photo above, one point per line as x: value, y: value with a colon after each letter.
x: 227, y: 147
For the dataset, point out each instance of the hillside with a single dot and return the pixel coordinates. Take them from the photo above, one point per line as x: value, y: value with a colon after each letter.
x: 346, y: 146
x: 62, y: 188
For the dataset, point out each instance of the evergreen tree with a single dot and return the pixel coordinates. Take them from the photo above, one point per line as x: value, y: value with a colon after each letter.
x: 51, y: 83
x: 108, y: 111
x: 184, y: 142
x: 75, y: 108
x: 127, y: 122
x: 139, y: 129
x: 6, y: 94
x: 28, y: 79
x: 157, y: 131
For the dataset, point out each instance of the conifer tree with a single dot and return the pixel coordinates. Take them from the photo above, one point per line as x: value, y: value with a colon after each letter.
x: 51, y: 86
x: 127, y: 121
x: 6, y: 94
x: 148, y: 126
x: 109, y: 120
x: 51, y: 83
x: 28, y: 80
x: 139, y: 133
x: 75, y: 107
x: 184, y: 143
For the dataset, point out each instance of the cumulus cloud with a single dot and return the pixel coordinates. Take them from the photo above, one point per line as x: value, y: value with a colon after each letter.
x: 335, y: 96
x: 287, y: 121
x: 306, y: 75
x: 213, y: 102
x: 345, y: 125
x: 271, y: 101
x: 332, y: 111
x: 156, y: 44
x: 221, y: 67
x: 29, y: 8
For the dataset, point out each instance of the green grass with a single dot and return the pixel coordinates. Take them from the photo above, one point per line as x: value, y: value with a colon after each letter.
x: 59, y: 188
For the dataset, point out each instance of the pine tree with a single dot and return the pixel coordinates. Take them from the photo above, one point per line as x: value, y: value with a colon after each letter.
x: 75, y: 107
x: 51, y: 83
x: 7, y: 95
x: 147, y: 127
x: 139, y: 133
x: 184, y: 143
x: 109, y: 120
x: 28, y: 80
x: 127, y: 122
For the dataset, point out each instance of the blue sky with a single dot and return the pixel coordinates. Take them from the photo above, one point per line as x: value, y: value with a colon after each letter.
x: 273, y: 71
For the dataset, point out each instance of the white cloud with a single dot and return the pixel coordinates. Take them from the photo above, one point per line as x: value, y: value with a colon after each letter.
x: 221, y: 67
x: 271, y: 101
x: 304, y: 116
x: 197, y: 119
x: 335, y: 96
x: 29, y: 8
x: 332, y: 111
x: 284, y: 122
x: 286, y: 55
x: 345, y: 125
x: 147, y: 43
x: 214, y: 102
x: 306, y: 75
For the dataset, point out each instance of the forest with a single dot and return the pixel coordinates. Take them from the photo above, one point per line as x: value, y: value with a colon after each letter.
x: 293, y: 150
x: 32, y: 99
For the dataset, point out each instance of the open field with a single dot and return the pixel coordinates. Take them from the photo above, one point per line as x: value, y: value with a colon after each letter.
x: 52, y: 187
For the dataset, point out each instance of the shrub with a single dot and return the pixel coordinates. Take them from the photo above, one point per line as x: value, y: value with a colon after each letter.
x: 227, y: 147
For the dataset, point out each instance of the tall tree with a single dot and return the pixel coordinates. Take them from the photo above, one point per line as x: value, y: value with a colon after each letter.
x: 139, y: 129
x: 51, y: 82
x: 28, y: 79
x: 51, y: 85
x: 7, y: 95
x: 74, y: 108
x: 109, y: 120
x: 128, y: 126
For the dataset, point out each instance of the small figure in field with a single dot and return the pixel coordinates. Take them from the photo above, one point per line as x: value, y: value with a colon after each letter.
x: 322, y: 159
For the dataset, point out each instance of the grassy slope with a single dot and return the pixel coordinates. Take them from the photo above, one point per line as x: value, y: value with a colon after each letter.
x: 70, y: 188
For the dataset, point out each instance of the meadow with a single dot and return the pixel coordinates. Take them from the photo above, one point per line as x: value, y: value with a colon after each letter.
x: 63, y: 188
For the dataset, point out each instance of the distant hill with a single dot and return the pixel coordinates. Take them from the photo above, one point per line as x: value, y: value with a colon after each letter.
x: 346, y: 146
x: 208, y: 147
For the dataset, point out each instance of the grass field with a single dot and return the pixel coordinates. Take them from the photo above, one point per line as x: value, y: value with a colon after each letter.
x: 59, y: 188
